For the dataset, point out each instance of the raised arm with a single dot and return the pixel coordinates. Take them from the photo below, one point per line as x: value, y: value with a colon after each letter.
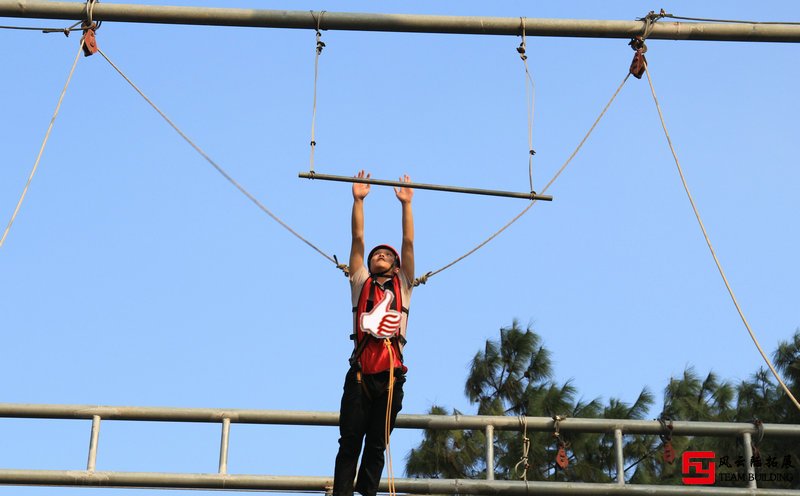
x: 360, y: 191
x: 407, y: 249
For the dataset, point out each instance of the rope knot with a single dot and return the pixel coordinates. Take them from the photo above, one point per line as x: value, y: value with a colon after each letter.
x: 421, y: 279
x: 343, y: 267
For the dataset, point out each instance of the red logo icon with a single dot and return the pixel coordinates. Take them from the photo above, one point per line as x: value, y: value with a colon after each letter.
x: 695, y: 470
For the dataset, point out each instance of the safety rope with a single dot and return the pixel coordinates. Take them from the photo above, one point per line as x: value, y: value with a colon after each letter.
x: 44, y: 144
x: 424, y: 279
x: 388, y: 423
x: 219, y: 168
x: 530, y: 95
x: 711, y: 248
x: 320, y: 45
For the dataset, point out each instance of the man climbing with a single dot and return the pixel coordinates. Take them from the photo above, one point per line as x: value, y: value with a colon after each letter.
x: 373, y: 388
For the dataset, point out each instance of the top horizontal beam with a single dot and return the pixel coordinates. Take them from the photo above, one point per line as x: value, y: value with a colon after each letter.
x: 404, y: 421
x: 408, y: 23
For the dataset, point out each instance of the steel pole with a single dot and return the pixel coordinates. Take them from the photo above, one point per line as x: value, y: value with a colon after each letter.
x: 318, y: 484
x: 436, y: 187
x: 508, y: 26
x: 404, y: 421
x: 489, y: 431
x: 91, y: 463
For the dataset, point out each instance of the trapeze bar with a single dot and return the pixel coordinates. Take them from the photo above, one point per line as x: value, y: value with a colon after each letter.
x: 451, y: 189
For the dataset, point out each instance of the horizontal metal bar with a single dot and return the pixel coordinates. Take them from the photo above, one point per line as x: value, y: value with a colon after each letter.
x: 405, y: 421
x: 318, y: 484
x: 436, y: 187
x: 509, y: 26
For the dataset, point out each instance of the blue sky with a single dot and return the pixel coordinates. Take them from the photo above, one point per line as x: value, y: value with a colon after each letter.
x: 136, y: 275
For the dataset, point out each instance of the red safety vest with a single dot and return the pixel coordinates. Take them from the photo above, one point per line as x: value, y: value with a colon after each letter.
x: 370, y: 353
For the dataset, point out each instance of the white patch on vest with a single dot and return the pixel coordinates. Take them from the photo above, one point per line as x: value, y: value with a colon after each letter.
x: 382, y: 321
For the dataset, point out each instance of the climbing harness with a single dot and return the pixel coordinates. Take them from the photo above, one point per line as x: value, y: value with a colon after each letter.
x: 366, y: 302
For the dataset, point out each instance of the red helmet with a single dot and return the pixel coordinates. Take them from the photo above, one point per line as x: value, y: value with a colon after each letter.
x: 387, y: 247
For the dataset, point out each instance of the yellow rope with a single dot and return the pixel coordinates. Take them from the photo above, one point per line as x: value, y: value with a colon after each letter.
x: 388, y: 424
x: 710, y: 247
x: 41, y: 149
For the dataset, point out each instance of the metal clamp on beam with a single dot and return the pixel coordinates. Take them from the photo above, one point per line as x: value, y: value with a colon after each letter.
x: 436, y: 187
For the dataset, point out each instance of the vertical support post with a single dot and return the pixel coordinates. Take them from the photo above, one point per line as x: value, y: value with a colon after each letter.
x: 223, y: 446
x: 95, y: 436
x: 748, y: 459
x: 620, y: 456
x: 489, y: 452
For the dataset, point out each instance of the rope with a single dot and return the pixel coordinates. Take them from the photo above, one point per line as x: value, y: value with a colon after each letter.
x: 320, y: 46
x: 424, y: 279
x: 526, y: 445
x: 530, y: 95
x: 728, y: 20
x: 711, y: 248
x: 388, y: 423
x: 66, y: 31
x: 216, y: 166
x: 41, y: 149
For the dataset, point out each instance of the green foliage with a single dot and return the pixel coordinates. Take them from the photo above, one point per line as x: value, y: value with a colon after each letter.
x: 514, y: 376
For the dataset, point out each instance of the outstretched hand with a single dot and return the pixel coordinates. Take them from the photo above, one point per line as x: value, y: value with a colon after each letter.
x: 361, y: 190
x: 404, y: 194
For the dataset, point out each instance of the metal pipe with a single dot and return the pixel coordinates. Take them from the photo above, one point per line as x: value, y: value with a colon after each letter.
x: 409, y: 23
x: 404, y: 421
x: 318, y: 484
x: 92, y: 461
x: 451, y: 189
x: 223, y: 446
x: 748, y: 460
x: 620, y: 456
x: 489, y: 432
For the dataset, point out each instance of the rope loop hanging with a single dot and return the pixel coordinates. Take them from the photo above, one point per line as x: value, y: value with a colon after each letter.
x: 530, y: 96
x: 319, y: 46
x: 526, y: 445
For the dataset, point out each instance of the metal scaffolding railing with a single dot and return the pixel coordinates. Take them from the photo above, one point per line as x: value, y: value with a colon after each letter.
x: 487, y: 424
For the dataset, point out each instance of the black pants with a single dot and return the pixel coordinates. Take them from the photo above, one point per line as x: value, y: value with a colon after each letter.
x: 363, y: 414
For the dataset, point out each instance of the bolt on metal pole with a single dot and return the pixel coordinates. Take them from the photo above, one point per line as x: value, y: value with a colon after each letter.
x: 91, y: 464
x: 620, y: 456
x: 223, y: 446
x: 450, y: 189
x: 489, y: 452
